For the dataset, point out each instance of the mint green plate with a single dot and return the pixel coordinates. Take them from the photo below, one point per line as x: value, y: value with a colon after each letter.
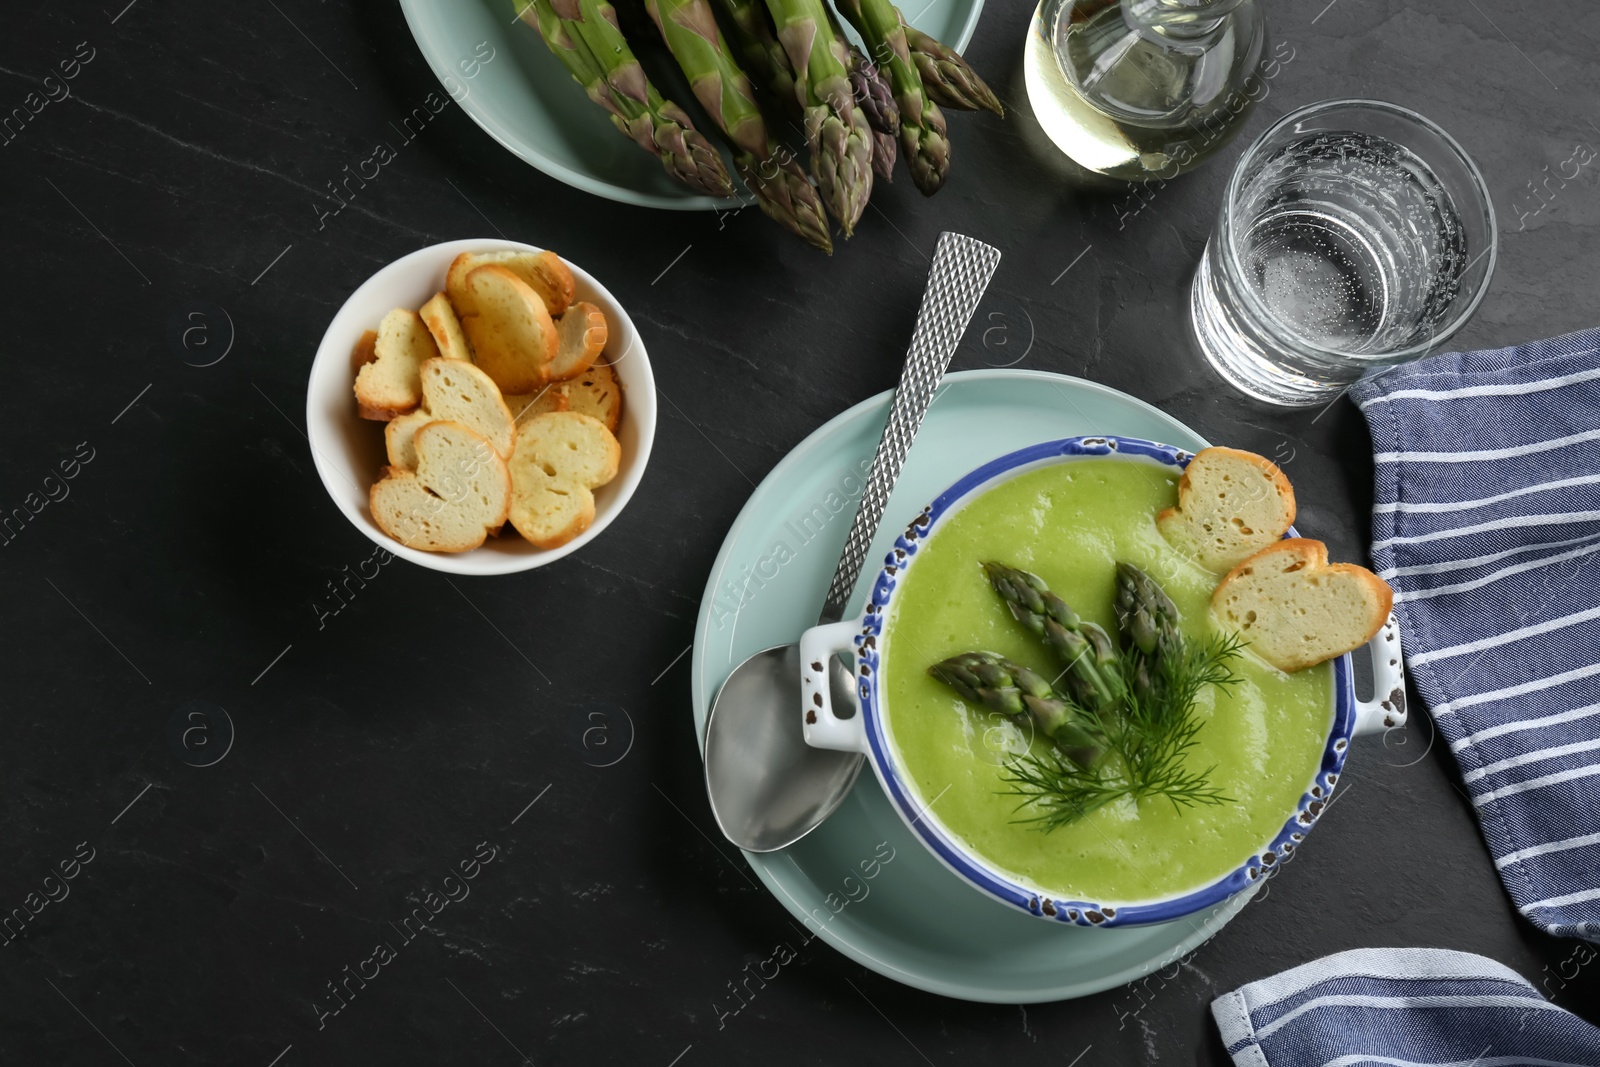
x: 913, y: 920
x: 526, y: 100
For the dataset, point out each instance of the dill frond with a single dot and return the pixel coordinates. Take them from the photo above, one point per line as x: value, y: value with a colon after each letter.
x: 1149, y: 745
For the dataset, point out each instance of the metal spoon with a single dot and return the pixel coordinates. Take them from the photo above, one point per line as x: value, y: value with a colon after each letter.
x: 768, y: 787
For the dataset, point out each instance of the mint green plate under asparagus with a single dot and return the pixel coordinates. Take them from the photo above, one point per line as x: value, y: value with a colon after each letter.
x: 527, y: 102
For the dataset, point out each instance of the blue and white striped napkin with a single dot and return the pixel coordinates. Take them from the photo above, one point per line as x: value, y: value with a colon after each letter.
x: 1401, y: 1006
x: 1487, y: 525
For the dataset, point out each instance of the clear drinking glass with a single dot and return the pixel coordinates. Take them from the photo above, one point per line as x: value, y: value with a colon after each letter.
x: 1354, y: 234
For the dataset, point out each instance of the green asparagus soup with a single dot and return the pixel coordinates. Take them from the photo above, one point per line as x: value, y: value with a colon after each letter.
x: 1070, y: 524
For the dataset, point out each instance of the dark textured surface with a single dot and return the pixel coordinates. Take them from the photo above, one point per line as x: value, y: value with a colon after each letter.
x: 197, y: 543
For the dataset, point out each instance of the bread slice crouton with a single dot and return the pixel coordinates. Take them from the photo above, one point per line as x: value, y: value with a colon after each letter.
x: 455, y: 284
x: 1231, y: 504
x: 525, y: 406
x: 456, y: 392
x: 580, y: 338
x: 597, y: 393
x: 442, y: 323
x: 1296, y: 609
x: 399, y: 438
x: 561, y: 457
x: 365, y: 352
x: 389, y: 385
x: 544, y: 272
x: 459, y: 493
x: 512, y: 336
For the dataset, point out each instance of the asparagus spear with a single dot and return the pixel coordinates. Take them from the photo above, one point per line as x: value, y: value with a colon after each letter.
x: 1145, y: 613
x: 871, y: 88
x: 923, y: 142
x: 612, y: 78
x: 760, y: 53
x: 836, y: 128
x: 780, y: 186
x: 885, y: 149
x: 873, y: 93
x: 876, y: 98
x: 1170, y: 669
x: 946, y: 77
x: 1094, y: 670
x: 1012, y: 689
x: 690, y: 31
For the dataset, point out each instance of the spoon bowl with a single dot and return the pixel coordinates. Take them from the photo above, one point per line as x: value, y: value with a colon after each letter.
x: 771, y: 787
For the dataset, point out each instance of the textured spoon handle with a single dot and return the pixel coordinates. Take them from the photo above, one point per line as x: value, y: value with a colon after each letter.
x: 961, y: 271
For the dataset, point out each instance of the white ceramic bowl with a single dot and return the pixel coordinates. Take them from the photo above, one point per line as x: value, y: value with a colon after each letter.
x: 348, y: 449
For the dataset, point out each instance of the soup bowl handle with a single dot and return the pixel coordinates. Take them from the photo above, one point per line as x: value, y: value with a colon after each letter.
x: 1387, y: 708
x: 823, y: 728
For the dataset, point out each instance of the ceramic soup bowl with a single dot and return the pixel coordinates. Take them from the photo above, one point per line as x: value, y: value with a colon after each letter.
x: 866, y: 731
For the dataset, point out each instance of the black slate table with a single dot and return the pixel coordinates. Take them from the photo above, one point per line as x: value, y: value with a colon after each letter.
x: 186, y: 566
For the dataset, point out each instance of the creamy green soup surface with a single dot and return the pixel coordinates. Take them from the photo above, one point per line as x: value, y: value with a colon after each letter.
x: 1070, y: 524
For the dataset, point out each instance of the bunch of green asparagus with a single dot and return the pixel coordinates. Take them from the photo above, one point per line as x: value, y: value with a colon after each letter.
x: 785, y: 63
x: 1120, y: 721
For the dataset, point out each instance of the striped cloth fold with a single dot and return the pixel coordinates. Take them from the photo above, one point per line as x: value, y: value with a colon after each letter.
x: 1487, y: 525
x: 1401, y: 1007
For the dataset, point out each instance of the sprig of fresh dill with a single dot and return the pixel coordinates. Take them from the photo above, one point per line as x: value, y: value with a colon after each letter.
x: 1149, y: 742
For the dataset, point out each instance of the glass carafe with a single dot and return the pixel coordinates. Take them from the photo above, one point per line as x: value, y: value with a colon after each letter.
x: 1145, y: 89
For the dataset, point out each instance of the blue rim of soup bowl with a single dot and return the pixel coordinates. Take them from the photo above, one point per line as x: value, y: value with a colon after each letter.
x: 962, y: 860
